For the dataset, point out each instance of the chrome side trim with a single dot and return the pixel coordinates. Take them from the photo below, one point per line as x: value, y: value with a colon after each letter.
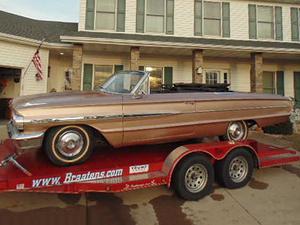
x: 196, y: 123
x: 241, y: 109
x: 73, y: 119
x: 120, y: 116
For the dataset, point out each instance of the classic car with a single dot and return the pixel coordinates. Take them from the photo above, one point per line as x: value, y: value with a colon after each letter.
x: 124, y: 112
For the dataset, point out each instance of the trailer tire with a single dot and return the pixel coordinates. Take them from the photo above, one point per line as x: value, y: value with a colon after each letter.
x: 236, y: 170
x: 59, y: 141
x: 193, y: 177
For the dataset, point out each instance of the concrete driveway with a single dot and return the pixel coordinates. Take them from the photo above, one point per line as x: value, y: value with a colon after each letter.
x: 272, y: 197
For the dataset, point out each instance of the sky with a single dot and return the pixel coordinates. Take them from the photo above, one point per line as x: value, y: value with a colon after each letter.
x: 54, y: 10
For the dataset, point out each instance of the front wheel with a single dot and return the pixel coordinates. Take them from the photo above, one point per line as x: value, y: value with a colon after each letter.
x: 68, y: 145
x: 193, y: 177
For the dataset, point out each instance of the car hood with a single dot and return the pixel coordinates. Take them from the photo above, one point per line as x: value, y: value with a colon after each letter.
x: 65, y: 99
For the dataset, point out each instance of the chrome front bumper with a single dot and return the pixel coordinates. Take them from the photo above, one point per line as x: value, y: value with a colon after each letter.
x: 24, y: 141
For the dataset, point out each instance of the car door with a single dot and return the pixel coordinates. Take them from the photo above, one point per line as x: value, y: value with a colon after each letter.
x: 157, y: 118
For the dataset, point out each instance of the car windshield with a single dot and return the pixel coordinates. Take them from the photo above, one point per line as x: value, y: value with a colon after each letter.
x: 122, y: 82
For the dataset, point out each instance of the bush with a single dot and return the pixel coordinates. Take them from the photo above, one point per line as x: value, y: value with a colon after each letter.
x: 282, y: 128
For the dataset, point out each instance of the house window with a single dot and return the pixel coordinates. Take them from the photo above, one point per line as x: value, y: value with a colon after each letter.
x: 155, y: 16
x: 212, y: 77
x: 265, y: 22
x: 106, y: 14
x: 212, y: 18
x: 156, y: 77
x: 102, y: 73
x: 217, y: 77
x: 273, y: 82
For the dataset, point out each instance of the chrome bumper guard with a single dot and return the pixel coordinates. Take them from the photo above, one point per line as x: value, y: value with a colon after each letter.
x: 25, y: 141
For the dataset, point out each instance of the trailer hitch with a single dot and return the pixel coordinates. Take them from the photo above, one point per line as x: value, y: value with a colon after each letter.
x: 12, y: 159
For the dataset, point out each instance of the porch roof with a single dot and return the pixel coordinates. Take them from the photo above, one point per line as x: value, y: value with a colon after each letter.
x: 175, y: 41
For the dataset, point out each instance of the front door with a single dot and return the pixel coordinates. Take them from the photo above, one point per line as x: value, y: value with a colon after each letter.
x: 297, y: 88
x: 158, y: 118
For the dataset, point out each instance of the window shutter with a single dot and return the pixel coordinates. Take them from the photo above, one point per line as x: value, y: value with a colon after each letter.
x: 170, y: 17
x: 295, y: 24
x: 141, y: 68
x: 278, y: 23
x: 198, y: 18
x: 90, y: 15
x: 280, y: 82
x: 168, y: 76
x: 121, y: 15
x: 87, y: 77
x: 140, y: 16
x: 252, y: 22
x: 226, y: 19
x: 297, y: 88
x: 119, y: 68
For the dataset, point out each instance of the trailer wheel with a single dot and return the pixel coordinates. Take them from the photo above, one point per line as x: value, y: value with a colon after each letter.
x: 68, y: 145
x: 193, y: 177
x: 235, y: 171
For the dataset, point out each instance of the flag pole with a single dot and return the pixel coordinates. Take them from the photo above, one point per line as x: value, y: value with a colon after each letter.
x: 27, y: 68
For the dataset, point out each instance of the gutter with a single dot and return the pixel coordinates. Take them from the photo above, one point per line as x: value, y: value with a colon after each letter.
x: 179, y: 45
x: 33, y: 42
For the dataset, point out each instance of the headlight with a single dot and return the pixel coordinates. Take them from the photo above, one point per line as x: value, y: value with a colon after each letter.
x: 18, y: 121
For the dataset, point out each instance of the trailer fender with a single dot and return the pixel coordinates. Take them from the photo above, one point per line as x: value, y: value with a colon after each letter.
x: 216, y: 154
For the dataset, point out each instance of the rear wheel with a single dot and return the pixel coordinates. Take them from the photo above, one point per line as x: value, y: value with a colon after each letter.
x: 193, y: 178
x: 236, y: 131
x: 68, y: 145
x: 236, y: 170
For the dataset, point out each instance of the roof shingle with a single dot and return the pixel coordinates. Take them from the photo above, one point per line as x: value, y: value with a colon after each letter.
x: 34, y: 29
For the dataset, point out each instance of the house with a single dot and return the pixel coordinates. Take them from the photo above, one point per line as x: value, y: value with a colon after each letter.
x: 252, y: 45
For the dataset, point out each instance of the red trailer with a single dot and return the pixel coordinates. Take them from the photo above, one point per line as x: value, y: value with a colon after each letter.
x: 190, y: 169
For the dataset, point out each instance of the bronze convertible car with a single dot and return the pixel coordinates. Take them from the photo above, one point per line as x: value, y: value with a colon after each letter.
x: 124, y: 113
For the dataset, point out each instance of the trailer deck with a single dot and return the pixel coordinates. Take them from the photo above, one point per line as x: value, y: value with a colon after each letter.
x: 124, y: 169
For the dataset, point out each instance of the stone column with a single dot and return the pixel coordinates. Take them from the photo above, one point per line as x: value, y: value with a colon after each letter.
x: 77, y: 67
x: 134, y: 58
x: 198, y: 63
x: 256, y: 73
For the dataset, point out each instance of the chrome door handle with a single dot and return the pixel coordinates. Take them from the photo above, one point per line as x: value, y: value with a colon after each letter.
x: 189, y: 103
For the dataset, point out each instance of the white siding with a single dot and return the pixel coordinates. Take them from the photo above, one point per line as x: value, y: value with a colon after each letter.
x: 19, y: 56
x: 239, y: 20
x: 81, y: 26
x: 130, y: 21
x: 184, y: 18
x: 240, y: 77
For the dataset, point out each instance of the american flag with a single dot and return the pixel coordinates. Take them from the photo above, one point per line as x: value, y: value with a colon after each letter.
x: 38, y: 65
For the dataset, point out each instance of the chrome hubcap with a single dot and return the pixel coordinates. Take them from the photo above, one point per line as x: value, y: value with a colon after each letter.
x: 196, y: 178
x: 236, y: 131
x: 238, y: 169
x: 70, y: 143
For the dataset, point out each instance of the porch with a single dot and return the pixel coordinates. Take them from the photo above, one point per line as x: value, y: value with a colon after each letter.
x: 246, y: 71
